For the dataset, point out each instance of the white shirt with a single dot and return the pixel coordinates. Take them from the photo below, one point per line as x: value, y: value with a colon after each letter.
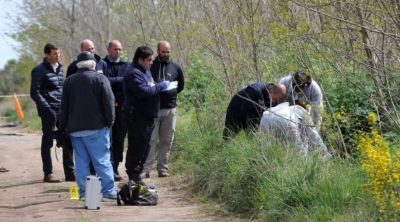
x: 292, y: 124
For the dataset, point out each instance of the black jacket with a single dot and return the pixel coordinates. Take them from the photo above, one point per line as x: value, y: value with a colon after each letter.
x: 115, y: 73
x: 87, y: 102
x: 141, y: 94
x: 170, y: 71
x: 46, y: 85
x: 72, y: 68
x: 250, y: 102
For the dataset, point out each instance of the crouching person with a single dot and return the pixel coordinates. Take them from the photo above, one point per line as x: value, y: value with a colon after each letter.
x: 293, y: 124
x: 87, y: 113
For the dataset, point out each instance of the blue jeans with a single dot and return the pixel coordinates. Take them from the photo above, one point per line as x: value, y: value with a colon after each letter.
x: 95, y: 148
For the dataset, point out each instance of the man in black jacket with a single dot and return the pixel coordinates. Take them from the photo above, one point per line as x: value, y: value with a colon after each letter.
x: 114, y: 68
x: 247, y: 106
x: 164, y: 126
x: 86, y: 46
x: 87, y: 113
x: 141, y: 106
x: 46, y: 90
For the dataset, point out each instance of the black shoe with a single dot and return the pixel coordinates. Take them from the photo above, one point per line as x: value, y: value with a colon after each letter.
x: 137, y: 179
x: 117, y: 177
x: 144, y: 175
x: 51, y: 179
x: 140, y: 182
x: 70, y: 178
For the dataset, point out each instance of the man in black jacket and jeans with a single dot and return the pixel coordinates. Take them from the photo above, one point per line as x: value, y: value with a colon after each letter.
x: 87, y: 113
x: 46, y: 90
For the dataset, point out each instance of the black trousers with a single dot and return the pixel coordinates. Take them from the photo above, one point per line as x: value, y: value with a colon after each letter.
x: 139, y: 133
x: 49, y: 122
x: 118, y: 133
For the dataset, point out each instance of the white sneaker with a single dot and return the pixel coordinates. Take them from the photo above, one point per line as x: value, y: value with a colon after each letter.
x: 110, y: 198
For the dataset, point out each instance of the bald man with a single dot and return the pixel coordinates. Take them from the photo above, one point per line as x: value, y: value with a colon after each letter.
x: 163, y: 69
x: 86, y: 46
x: 247, y: 106
x: 114, y: 68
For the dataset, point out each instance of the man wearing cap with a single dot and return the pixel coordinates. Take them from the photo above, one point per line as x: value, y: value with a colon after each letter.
x: 292, y: 124
x: 246, y: 107
x: 87, y: 113
x: 86, y: 46
x: 46, y: 90
x: 301, y: 88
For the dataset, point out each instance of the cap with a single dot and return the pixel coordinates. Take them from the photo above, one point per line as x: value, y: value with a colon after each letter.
x: 84, y: 56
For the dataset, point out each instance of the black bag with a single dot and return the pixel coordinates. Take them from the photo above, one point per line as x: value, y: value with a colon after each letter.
x: 135, y: 194
x: 62, y: 139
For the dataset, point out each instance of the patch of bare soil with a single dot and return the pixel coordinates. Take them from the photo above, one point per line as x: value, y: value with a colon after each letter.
x: 24, y: 197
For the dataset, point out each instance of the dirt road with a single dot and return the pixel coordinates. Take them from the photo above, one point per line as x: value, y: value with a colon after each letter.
x: 24, y: 197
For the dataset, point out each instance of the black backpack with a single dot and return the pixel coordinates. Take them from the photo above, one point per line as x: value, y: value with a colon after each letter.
x: 135, y: 194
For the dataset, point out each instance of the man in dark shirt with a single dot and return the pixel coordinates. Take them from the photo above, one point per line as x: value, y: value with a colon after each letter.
x: 247, y: 106
x: 86, y: 46
x: 164, y: 69
x: 114, y: 69
x: 46, y: 90
x: 141, y: 106
x: 87, y: 114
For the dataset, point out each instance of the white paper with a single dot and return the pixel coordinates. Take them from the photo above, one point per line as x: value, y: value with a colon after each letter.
x: 172, y: 85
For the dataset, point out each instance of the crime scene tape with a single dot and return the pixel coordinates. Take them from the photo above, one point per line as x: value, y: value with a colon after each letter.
x: 10, y: 96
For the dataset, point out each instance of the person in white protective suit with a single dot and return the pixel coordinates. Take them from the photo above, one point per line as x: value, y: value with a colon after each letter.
x: 293, y: 124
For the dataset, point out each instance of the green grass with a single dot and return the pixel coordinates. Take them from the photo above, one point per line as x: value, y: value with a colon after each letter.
x: 260, y: 178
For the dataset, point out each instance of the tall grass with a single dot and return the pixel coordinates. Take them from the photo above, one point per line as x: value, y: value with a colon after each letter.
x: 261, y: 179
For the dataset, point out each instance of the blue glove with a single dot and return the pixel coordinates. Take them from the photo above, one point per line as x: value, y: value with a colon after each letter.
x: 164, y: 85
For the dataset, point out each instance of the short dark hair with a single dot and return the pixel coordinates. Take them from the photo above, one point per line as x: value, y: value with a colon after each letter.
x: 301, y: 80
x: 142, y: 52
x: 48, y: 47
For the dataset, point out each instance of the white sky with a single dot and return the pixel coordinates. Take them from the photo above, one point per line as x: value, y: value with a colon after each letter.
x: 7, y: 45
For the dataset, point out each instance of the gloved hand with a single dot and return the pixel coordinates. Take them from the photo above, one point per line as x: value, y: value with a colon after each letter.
x: 164, y: 85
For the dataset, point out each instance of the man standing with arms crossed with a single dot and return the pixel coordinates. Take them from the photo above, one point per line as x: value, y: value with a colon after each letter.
x: 46, y: 90
x: 163, y: 69
x: 114, y: 68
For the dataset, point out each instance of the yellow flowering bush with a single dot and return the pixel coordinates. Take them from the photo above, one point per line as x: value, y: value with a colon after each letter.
x: 383, y: 169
